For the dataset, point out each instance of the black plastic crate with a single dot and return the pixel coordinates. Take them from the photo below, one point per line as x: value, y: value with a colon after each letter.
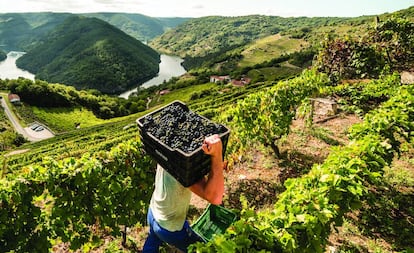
x: 186, y: 167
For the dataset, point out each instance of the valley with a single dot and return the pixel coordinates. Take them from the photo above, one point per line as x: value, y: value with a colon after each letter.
x: 300, y: 178
x: 9, y: 70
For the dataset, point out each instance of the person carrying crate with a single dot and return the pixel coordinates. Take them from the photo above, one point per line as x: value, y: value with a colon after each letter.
x: 170, y: 201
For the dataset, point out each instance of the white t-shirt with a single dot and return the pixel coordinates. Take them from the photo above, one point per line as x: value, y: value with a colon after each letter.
x: 170, y: 201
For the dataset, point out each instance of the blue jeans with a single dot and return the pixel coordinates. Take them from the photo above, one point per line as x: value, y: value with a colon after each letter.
x: 157, y: 235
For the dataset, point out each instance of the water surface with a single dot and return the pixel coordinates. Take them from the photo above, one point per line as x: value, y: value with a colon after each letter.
x: 9, y: 70
x: 170, y: 66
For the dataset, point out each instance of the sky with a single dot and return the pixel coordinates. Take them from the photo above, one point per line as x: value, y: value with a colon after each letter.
x: 200, y: 8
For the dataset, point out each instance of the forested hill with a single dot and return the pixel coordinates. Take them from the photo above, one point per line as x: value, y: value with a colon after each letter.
x: 207, y: 35
x: 20, y: 31
x: 139, y: 26
x: 89, y: 53
x: 200, y: 37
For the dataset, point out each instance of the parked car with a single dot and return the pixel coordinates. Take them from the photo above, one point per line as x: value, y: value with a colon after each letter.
x: 34, y: 126
x: 39, y: 128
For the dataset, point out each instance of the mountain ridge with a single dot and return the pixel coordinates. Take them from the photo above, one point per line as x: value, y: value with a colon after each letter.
x: 89, y: 53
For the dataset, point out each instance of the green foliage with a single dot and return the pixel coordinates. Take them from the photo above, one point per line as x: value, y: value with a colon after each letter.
x: 266, y: 116
x: 363, y: 96
x: 73, y: 143
x: 200, y: 37
x: 388, y: 43
x: 226, y: 55
x: 394, y: 39
x: 22, y: 31
x: 64, y: 199
x: 301, y: 219
x: 20, y: 217
x: 141, y: 27
x: 9, y: 139
x: 303, y: 58
x: 393, y: 120
x: 43, y: 94
x: 88, y: 53
x: 347, y: 59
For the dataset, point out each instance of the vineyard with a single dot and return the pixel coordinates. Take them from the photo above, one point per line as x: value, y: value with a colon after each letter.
x: 66, y: 199
x: 96, y: 182
x: 301, y: 219
x: 104, y: 136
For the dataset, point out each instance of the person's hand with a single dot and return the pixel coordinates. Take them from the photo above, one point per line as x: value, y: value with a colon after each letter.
x: 213, y: 146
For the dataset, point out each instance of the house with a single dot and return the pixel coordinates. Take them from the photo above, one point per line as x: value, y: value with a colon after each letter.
x: 218, y: 79
x: 163, y: 92
x: 226, y: 79
x: 243, y: 81
x: 14, y: 98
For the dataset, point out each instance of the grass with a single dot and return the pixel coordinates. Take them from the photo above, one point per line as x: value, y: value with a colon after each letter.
x: 270, y: 47
x: 183, y: 94
x: 64, y: 119
x: 274, y: 73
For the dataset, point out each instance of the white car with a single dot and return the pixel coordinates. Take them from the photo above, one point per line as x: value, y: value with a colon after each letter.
x: 39, y: 128
x: 34, y: 126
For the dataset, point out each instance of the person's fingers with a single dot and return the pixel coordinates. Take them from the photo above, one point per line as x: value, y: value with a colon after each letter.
x: 210, y: 143
x: 212, y: 139
x: 206, y: 148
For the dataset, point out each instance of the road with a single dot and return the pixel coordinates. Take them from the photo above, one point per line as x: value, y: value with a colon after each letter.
x: 26, y: 132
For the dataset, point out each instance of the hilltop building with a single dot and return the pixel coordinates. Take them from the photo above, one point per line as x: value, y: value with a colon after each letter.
x: 14, y: 98
x: 226, y: 79
x: 218, y: 79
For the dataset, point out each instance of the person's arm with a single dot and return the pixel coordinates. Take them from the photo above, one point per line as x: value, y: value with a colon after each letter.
x: 212, y: 187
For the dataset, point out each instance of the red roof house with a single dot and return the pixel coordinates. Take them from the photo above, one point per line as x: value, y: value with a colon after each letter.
x: 14, y: 98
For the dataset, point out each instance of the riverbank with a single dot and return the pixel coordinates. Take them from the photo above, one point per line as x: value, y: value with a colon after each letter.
x: 9, y: 70
x: 170, y: 66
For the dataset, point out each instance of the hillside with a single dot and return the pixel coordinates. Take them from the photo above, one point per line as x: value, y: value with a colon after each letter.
x: 319, y: 161
x: 270, y: 47
x: 89, y: 53
x: 202, y: 44
x: 255, y: 172
x: 21, y: 31
x: 207, y: 35
x: 141, y: 27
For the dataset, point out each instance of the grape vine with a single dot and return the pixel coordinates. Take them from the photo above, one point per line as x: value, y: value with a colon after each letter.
x: 65, y: 199
x: 301, y: 219
x: 266, y: 116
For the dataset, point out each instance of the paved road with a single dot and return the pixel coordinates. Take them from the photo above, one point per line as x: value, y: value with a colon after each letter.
x: 26, y: 132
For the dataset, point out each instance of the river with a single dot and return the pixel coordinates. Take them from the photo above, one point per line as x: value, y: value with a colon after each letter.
x: 170, y: 66
x: 9, y: 70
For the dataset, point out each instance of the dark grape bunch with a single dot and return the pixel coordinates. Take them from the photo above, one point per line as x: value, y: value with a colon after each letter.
x: 179, y: 128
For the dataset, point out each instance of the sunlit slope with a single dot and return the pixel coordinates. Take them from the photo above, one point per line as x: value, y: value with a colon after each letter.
x: 269, y: 48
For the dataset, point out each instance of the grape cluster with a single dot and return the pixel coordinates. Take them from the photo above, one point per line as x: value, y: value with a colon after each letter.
x: 179, y: 128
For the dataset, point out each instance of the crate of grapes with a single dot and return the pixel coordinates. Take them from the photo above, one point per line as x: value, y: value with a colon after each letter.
x: 173, y: 136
